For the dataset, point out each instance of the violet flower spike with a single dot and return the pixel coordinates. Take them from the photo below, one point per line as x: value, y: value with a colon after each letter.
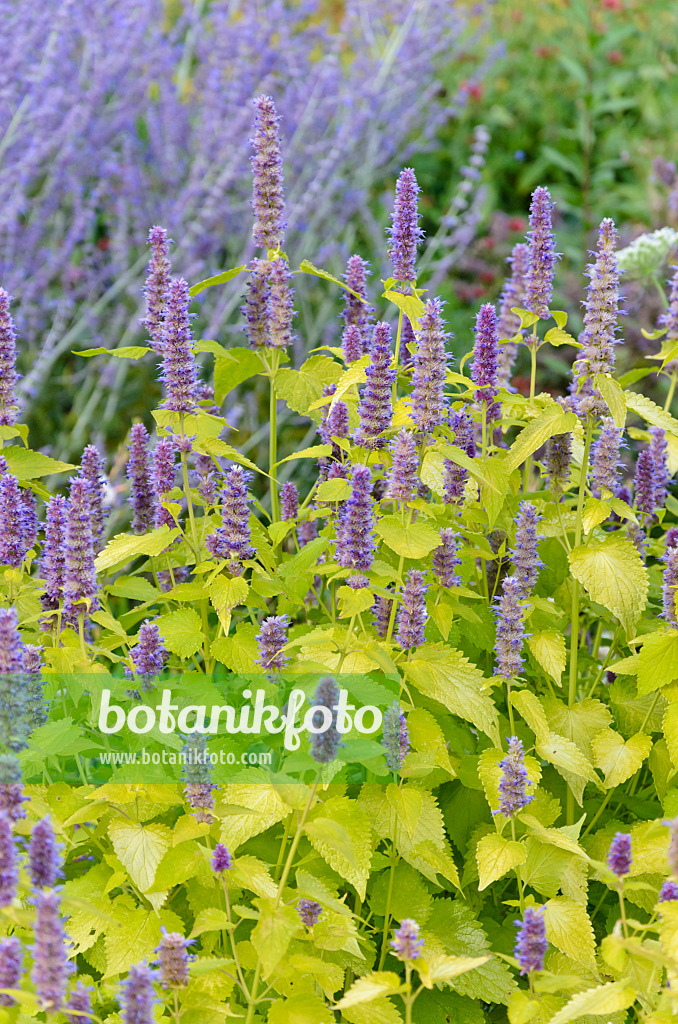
x: 524, y: 557
x: 29, y: 519
x: 357, y: 311
x: 557, y: 461
x: 11, y: 967
x: 289, y: 501
x: 412, y: 613
x: 485, y: 355
x: 138, y: 996
x: 531, y: 942
x: 660, y: 466
x: 309, y: 911
x: 256, y: 307
x: 326, y: 739
x: 381, y: 609
x: 352, y: 344
x: 668, y: 892
x: 446, y: 559
x: 149, y: 655
x: 12, y: 541
x: 164, y: 473
x: 53, y: 560
x: 355, y: 537
x: 173, y: 960
x: 157, y: 285
x: 429, y: 405
x: 221, y: 859
x: 80, y: 584
x: 619, y: 858
x: 267, y: 177
x: 197, y: 773
x: 514, y: 782
x: 405, y: 233
x: 92, y: 470
x: 51, y: 966
x: 510, y: 629
x: 406, y: 944
x: 12, y: 796
x: 12, y: 651
x: 644, y: 484
x: 280, y: 309
x: 271, y: 639
x: 395, y: 737
x: 9, y: 378
x: 605, y: 458
x: 80, y: 1000
x: 43, y: 856
x: 139, y: 475
x: 231, y: 540
x: 376, y: 409
x: 542, y: 256
x: 179, y: 373
x: 403, y: 479
x: 9, y: 865
x: 670, y: 587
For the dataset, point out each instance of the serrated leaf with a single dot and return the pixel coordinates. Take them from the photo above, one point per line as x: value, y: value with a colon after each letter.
x: 527, y: 317
x: 379, y: 1011
x: 303, y: 1008
x: 414, y: 540
x: 124, y: 352
x: 306, y: 267
x: 651, y: 412
x: 670, y: 727
x: 496, y: 856
x: 529, y: 707
x: 140, y: 848
x: 613, y: 395
x: 372, y: 986
x: 273, y: 933
x: 336, y: 489
x: 566, y: 757
x: 619, y: 759
x: 595, y: 512
x: 556, y: 337
x: 598, y: 1001
x: 126, y: 546
x: 569, y: 929
x: 28, y: 465
x: 260, y: 806
x: 211, y: 919
x: 182, y: 631
x: 658, y: 660
x: 411, y: 306
x: 546, y: 424
x: 453, y: 925
x: 613, y: 574
x: 239, y: 365
x: 341, y: 835
x: 301, y: 388
x: 316, y: 451
x: 457, y: 684
x: 353, y: 601
x: 579, y: 723
x: 210, y: 282
x: 548, y: 648
x: 437, y: 970
x: 135, y: 935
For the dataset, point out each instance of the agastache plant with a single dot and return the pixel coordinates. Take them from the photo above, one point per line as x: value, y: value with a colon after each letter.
x: 376, y: 409
x: 43, y: 856
x: 11, y: 966
x: 179, y: 373
x: 157, y: 285
x: 446, y: 558
x: 80, y: 578
x: 325, y: 742
x: 51, y: 966
x: 514, y: 782
x: 149, y: 655
x: 8, y: 375
x: 484, y: 365
x: 395, y: 737
x: 139, y: 475
x: 430, y: 370
x: 402, y: 481
x: 355, y: 537
x: 358, y: 314
x: 412, y: 614
x: 92, y: 470
x: 267, y: 176
x: 531, y: 941
x: 605, y: 458
x: 405, y: 233
x: 524, y: 558
x: 271, y: 639
x: 542, y: 255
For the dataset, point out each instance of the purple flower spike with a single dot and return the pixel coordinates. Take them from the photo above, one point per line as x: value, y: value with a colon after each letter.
x: 267, y: 176
x: 81, y: 1001
x: 12, y: 540
x: 456, y: 476
x: 325, y: 745
x: 557, y: 460
x: 668, y: 892
x: 232, y: 540
x: 29, y: 516
x: 271, y: 639
x: 512, y: 297
x: 9, y: 867
x: 157, y: 285
x: 280, y: 311
x: 402, y: 481
x: 92, y: 470
x: 11, y: 648
x: 660, y: 466
x: 513, y: 795
x: 429, y: 406
x: 53, y: 560
x: 406, y: 943
x: 510, y: 629
x: 644, y: 483
x: 381, y: 610
x: 256, y: 308
x: 173, y: 960
x: 179, y: 373
x: 80, y: 585
x: 605, y: 458
x: 138, y: 996
x: 11, y: 967
x: 352, y: 343
x: 395, y: 737
x: 51, y: 967
x: 9, y: 378
x: 12, y: 797
x: 375, y: 408
x: 149, y: 655
x: 531, y: 942
x: 142, y: 497
x: 405, y: 233
x: 412, y: 614
x: 221, y: 859
x: 446, y: 558
x: 408, y: 344
x: 601, y: 311
x: 289, y: 500
x: 197, y: 772
x: 542, y: 255
x: 164, y: 473
x: 668, y: 320
x: 670, y: 587
x: 357, y: 312
x: 309, y: 912
x: 355, y: 539
x: 619, y: 858
x: 485, y: 355
x: 524, y: 557
x: 43, y: 855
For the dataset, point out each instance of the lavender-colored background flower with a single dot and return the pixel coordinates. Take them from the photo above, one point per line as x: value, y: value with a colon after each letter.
x: 514, y: 782
x: 395, y: 736
x: 531, y: 942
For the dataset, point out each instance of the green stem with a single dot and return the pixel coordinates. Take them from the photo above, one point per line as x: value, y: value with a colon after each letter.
x: 397, y: 356
x: 521, y: 887
x: 672, y: 388
x: 187, y: 494
x: 387, y: 917
x: 533, y: 382
x: 622, y: 907
x: 408, y: 998
x: 273, y: 438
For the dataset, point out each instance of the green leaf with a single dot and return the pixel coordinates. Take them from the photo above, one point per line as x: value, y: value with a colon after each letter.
x: 658, y: 660
x: 306, y: 267
x: 556, y: 337
x: 379, y: 1011
x: 455, y: 929
x: 372, y: 986
x: 619, y: 759
x: 560, y: 317
x: 28, y: 465
x: 301, y: 388
x: 317, y: 451
x: 303, y: 1008
x: 530, y: 708
x: 240, y: 364
x: 548, y: 649
x: 341, y: 835
x: 457, y: 684
x: 125, y: 352
x: 215, y: 447
x: 355, y: 374
x: 126, y: 546
x: 255, y: 806
x: 140, y: 848
x: 135, y: 935
x: 182, y: 631
x: 548, y: 423
x: 414, y: 540
x: 211, y: 919
x: 614, y: 397
x: 333, y: 490
x: 353, y: 601
x: 594, y: 513
x: 210, y: 282
x: 569, y: 760
x: 411, y: 306
x: 496, y: 856
x: 273, y: 933
x: 599, y: 1001
x: 228, y: 593
x: 437, y: 970
x: 613, y: 574
x: 134, y: 587
x: 527, y: 319
x: 579, y: 723
x: 569, y: 929
x: 651, y: 412
x: 670, y: 727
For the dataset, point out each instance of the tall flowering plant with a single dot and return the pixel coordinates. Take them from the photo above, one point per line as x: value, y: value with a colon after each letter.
x: 483, y: 565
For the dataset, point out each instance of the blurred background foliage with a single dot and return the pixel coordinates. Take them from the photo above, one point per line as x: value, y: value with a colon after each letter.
x: 136, y: 114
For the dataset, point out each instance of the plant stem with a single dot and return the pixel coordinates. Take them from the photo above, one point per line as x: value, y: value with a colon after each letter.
x: 397, y: 356
x: 273, y: 438
x: 387, y: 917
